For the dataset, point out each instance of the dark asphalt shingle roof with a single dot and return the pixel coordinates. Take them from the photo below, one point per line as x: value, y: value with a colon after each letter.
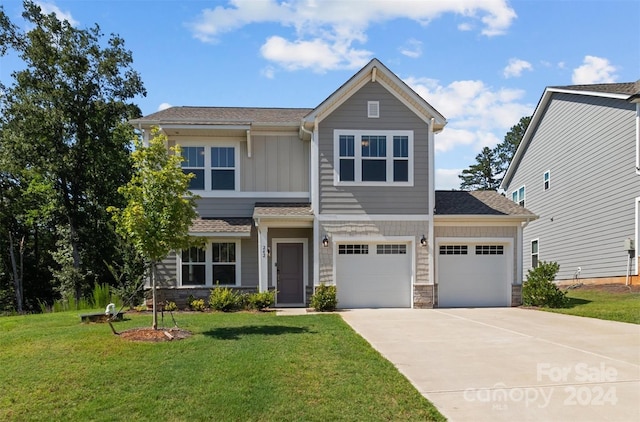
x: 224, y: 115
x: 221, y: 225
x: 625, y: 88
x: 477, y: 203
x: 282, y: 210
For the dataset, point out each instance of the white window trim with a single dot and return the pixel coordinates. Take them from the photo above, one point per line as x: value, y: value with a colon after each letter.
x: 208, y: 168
x: 544, y: 188
x: 208, y: 272
x: 357, y: 134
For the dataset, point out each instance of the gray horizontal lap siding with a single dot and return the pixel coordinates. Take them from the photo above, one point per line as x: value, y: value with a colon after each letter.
x: 588, y: 144
x: 352, y: 115
x: 236, y: 207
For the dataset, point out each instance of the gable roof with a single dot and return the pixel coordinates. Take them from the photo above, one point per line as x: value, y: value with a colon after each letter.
x: 375, y: 71
x: 224, y: 116
x: 478, y: 203
x: 627, y: 91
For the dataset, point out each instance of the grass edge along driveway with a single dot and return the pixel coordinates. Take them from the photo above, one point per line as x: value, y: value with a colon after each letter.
x: 242, y: 366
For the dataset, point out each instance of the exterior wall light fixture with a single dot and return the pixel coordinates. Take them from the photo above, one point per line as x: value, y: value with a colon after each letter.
x: 423, y: 241
x: 325, y: 241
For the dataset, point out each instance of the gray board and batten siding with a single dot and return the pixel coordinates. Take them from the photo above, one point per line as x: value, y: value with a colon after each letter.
x: 587, y: 144
x: 352, y: 115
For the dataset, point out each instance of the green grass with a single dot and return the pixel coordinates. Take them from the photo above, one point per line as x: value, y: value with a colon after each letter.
x: 236, y: 367
x: 615, y: 306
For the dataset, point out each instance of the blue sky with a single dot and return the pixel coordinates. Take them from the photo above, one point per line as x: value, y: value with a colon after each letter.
x: 483, y: 64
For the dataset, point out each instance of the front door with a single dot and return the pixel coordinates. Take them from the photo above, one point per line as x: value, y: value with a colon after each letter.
x: 290, y: 273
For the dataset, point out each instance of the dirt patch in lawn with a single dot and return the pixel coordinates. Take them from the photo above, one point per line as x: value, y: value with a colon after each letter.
x: 608, y: 288
x: 149, y: 334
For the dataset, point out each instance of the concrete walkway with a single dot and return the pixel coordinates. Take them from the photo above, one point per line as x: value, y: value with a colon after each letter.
x: 511, y: 364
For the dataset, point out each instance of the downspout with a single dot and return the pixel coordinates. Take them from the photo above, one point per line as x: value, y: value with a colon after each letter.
x: 432, y: 206
x: 638, y: 138
x: 313, y: 188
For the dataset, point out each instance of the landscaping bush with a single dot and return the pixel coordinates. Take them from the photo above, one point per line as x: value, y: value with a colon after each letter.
x: 197, y: 305
x: 262, y: 300
x: 539, y: 289
x: 324, y: 299
x: 224, y: 299
x: 170, y: 306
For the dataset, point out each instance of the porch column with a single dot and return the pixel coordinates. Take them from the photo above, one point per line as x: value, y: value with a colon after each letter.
x: 263, y: 258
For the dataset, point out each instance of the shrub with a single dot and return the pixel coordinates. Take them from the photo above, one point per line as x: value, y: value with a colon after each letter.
x: 324, y: 299
x: 539, y: 289
x: 262, y: 300
x: 197, y: 305
x: 170, y: 306
x: 224, y: 299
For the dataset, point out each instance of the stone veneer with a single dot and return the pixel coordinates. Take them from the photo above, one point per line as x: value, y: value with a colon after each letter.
x: 516, y: 294
x: 425, y: 296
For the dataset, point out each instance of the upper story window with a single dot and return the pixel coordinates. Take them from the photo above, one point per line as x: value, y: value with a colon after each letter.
x: 214, y: 167
x: 194, y: 163
x: 547, y: 179
x: 518, y: 196
x: 373, y: 158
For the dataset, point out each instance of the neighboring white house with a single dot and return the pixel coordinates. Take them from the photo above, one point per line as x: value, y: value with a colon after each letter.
x: 341, y: 194
x: 578, y: 168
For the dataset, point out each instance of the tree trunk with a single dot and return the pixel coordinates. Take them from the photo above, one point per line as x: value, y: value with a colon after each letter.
x: 154, y: 324
x: 17, y: 281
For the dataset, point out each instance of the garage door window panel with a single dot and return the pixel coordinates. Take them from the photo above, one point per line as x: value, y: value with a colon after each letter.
x: 391, y: 249
x: 353, y: 249
x: 454, y: 250
x: 489, y: 250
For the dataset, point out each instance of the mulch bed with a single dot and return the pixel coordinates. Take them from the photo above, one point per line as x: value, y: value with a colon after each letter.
x: 151, y: 335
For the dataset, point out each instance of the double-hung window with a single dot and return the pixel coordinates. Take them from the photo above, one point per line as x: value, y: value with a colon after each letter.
x: 216, y: 263
x: 373, y: 158
x: 214, y: 167
x: 193, y: 162
x: 194, y: 265
x: 223, y: 173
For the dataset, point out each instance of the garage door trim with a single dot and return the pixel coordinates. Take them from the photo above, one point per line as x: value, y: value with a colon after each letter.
x: 409, y: 240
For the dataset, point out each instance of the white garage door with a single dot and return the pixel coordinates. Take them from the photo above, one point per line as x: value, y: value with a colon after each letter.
x: 473, y: 275
x: 373, y: 275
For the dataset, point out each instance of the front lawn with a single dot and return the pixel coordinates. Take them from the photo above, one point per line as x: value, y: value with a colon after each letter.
x: 240, y: 367
x: 613, y: 302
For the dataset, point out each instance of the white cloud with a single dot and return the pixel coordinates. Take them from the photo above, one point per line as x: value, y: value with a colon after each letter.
x: 447, y: 179
x: 326, y: 32
x: 516, y: 67
x: 48, y: 8
x: 465, y: 27
x: 478, y: 115
x: 412, y: 48
x: 594, y: 70
x: 164, y: 106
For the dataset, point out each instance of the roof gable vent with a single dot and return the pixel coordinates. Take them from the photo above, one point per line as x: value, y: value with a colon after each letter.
x: 373, y: 109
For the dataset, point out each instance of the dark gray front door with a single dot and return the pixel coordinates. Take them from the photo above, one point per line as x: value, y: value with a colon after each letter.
x: 290, y: 273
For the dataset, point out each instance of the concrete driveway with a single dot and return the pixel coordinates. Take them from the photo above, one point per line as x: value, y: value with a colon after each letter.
x: 511, y: 364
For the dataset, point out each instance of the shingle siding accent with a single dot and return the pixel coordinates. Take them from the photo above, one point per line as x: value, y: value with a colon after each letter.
x: 485, y: 232
x: 394, y: 115
x: 363, y: 229
x: 588, y: 144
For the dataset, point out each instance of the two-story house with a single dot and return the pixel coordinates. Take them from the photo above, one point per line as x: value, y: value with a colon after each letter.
x: 341, y: 194
x: 578, y: 168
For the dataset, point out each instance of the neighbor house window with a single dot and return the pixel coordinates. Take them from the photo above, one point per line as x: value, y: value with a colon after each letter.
x: 193, y: 162
x: 534, y: 253
x: 217, y: 263
x: 547, y: 180
x: 194, y: 264
x: 374, y: 158
x: 518, y: 196
x: 215, y: 167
